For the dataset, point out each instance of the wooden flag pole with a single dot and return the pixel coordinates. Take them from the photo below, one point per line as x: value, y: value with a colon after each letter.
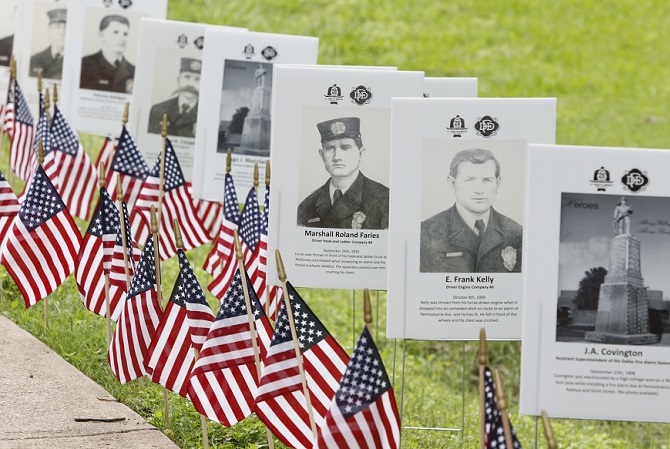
x: 256, y: 178
x: 502, y: 408
x: 180, y: 245
x: 55, y: 94
x: 159, y: 294
x: 9, y: 91
x: 482, y: 360
x: 229, y: 167
x: 267, y: 287
x: 281, y: 272
x: 124, y: 231
x: 367, y: 310
x: 40, y: 160
x: 548, y: 432
x: 161, y: 182
x: 108, y: 312
x: 12, y: 86
x: 250, y: 318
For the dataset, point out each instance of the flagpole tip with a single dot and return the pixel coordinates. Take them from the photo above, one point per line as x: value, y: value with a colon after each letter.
x: 256, y: 174
x: 55, y: 94
x: 40, y: 152
x: 102, y: 181
x: 119, y: 188
x: 12, y: 67
x: 229, y: 160
x: 237, y: 245
x: 281, y: 272
x: 548, y: 432
x: 47, y: 99
x: 500, y: 391
x: 39, y: 81
x: 164, y: 127
x: 367, y: 307
x: 154, y: 221
x: 177, y: 235
x: 267, y: 173
x: 125, y: 113
x: 482, y: 356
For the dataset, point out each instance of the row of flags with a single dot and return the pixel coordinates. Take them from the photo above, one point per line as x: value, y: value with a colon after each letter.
x: 295, y: 376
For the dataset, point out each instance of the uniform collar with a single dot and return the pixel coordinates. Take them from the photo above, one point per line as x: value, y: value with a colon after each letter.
x: 470, y: 219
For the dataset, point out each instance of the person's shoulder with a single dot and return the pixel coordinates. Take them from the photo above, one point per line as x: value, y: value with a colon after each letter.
x: 438, y: 220
x: 374, y: 187
x: 127, y: 65
x: 310, y: 200
x: 507, y: 225
x: 91, y: 59
x: 41, y: 54
x: 164, y: 105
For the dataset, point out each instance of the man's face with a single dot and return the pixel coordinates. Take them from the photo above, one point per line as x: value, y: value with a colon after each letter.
x: 57, y: 35
x: 341, y: 157
x: 475, y: 185
x: 115, y: 37
x: 189, y: 85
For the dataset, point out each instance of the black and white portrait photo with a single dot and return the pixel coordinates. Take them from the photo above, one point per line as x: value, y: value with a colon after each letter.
x: 244, y: 123
x: 612, y: 282
x: 109, y: 51
x: 7, y: 33
x: 346, y: 198
x: 48, y: 48
x: 179, y: 77
x: 470, y: 233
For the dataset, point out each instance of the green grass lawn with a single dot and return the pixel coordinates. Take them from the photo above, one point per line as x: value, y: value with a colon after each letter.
x: 604, y: 61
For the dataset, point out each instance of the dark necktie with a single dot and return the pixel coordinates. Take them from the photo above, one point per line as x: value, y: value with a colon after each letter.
x: 479, y: 224
x: 184, y: 108
x: 337, y: 195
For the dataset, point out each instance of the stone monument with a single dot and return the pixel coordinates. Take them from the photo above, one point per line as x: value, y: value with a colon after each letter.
x: 256, y: 130
x: 623, y: 308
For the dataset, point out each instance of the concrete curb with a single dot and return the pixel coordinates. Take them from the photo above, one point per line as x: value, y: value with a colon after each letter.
x: 41, y: 395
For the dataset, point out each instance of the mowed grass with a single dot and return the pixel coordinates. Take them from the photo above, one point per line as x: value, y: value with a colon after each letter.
x: 604, y: 61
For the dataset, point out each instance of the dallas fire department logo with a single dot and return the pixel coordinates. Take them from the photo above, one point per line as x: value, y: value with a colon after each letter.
x: 107, y: 3
x: 635, y: 180
x: 199, y: 42
x: 269, y: 53
x: 361, y: 95
x: 457, y: 126
x: 487, y: 126
x: 125, y: 3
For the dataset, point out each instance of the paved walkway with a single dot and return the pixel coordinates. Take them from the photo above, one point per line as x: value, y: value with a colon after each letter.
x: 43, y: 398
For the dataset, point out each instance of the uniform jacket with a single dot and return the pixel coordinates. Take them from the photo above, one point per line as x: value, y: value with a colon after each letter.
x: 449, y: 245
x: 6, y: 44
x: 182, y: 125
x: 98, y: 74
x: 365, y: 199
x: 51, y: 68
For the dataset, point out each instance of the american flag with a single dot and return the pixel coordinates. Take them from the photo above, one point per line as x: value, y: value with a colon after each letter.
x: 364, y: 413
x: 224, y: 379
x: 129, y: 164
x: 187, y: 317
x: 251, y: 222
x: 117, y: 275
x: 493, y: 424
x: 258, y: 271
x: 280, y: 402
x: 77, y: 177
x: 9, y: 207
x: 177, y: 204
x: 95, y: 260
x: 139, y: 318
x: 8, y: 122
x: 209, y: 213
x: 21, y: 155
x: 219, y: 261
x: 106, y: 153
x: 43, y: 242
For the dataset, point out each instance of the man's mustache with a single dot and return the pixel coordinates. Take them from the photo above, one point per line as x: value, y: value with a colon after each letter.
x: 189, y: 89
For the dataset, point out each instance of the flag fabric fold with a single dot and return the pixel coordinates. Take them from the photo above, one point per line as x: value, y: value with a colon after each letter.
x: 209, y: 213
x: 224, y: 379
x: 493, y: 424
x: 137, y: 324
x: 364, y: 413
x: 222, y: 249
x: 42, y: 245
x: 9, y: 207
x: 280, y: 402
x: 95, y: 260
x: 117, y: 275
x: 19, y: 125
x: 177, y: 204
x: 77, y: 177
x: 185, y: 323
